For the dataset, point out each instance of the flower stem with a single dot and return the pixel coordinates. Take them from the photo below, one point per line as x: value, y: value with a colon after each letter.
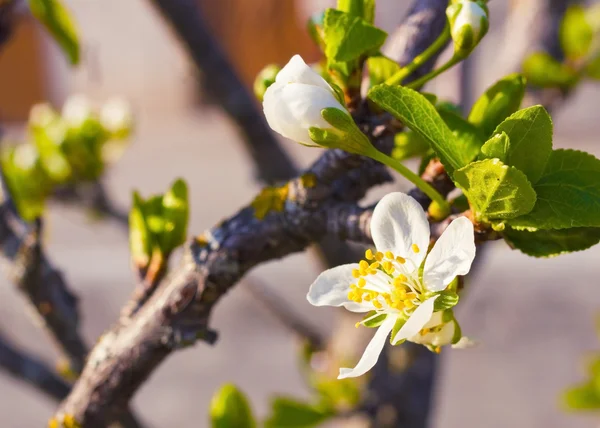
x: 420, y: 59
x: 424, y: 186
x: 420, y: 82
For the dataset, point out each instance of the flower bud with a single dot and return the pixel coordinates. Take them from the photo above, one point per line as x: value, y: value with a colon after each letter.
x: 264, y: 79
x: 293, y: 104
x: 468, y: 24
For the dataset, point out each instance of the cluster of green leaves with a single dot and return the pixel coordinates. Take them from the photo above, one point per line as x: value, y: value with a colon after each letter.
x: 545, y: 202
x: 57, y: 152
x: 230, y: 407
x: 586, y: 395
x: 57, y: 20
x: 347, y: 37
x: 157, y: 226
x: 580, y: 43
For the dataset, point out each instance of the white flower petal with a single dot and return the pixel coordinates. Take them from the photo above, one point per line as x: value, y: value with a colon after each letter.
x: 331, y: 289
x: 440, y: 338
x: 399, y: 222
x: 418, y: 319
x: 371, y: 354
x: 292, y: 109
x: 296, y: 71
x: 451, y: 255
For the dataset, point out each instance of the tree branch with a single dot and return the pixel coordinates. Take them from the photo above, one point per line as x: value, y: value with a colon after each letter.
x: 30, y: 370
x: 184, y: 16
x: 178, y: 313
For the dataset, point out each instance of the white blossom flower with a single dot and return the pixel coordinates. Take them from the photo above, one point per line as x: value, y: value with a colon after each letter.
x: 293, y: 103
x: 76, y: 110
x: 390, y: 284
x: 116, y: 116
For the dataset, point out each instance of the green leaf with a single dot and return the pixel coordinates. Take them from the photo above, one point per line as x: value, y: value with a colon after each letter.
x: 495, y: 190
x: 420, y: 115
x: 175, y: 213
x: 468, y: 137
x: 58, y: 21
x: 291, y: 413
x: 496, y: 147
x: 582, y: 397
x: 348, y: 37
x: 575, y: 33
x: 542, y: 70
x: 381, y: 68
x: 408, y: 144
x: 550, y: 243
x: 499, y: 101
x: 229, y: 408
x: 364, y: 9
x: 568, y: 194
x: 530, y: 134
x: 445, y: 300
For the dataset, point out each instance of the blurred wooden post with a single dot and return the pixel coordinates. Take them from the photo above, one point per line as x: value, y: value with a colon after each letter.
x: 258, y: 32
x: 22, y: 72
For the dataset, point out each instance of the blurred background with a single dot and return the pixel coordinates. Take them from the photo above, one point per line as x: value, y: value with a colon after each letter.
x: 533, y: 319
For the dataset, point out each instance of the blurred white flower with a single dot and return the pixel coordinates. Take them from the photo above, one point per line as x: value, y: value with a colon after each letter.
x: 388, y: 284
x: 116, y: 116
x: 468, y: 22
x: 76, y: 110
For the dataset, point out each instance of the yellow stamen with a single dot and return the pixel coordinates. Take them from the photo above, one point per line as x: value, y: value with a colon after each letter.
x: 373, y: 271
x: 379, y: 256
x: 408, y: 304
x: 401, y: 260
x: 369, y: 254
x: 387, y: 266
x: 415, y: 248
x: 355, y: 273
x: 424, y: 331
x: 357, y: 325
x: 437, y: 350
x: 363, y: 265
x: 377, y: 304
x: 362, y: 282
x: 375, y: 265
x: 411, y: 296
x: 389, y: 255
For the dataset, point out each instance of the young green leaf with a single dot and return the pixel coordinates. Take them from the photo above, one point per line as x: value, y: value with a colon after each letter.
x: 140, y: 239
x: 291, y: 413
x: 468, y: 137
x: 59, y: 23
x: 544, y: 71
x: 229, y: 408
x: 499, y: 101
x: 408, y: 144
x: 568, y: 194
x: 530, y: 134
x: 364, y: 9
x: 175, y: 213
x: 496, y: 147
x: 420, y: 115
x: 550, y: 243
x: 575, y: 33
x: 348, y: 37
x: 381, y: 68
x: 495, y: 191
x: 583, y: 397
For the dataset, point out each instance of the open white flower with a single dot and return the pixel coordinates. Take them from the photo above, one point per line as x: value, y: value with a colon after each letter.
x: 293, y: 103
x: 390, y: 284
